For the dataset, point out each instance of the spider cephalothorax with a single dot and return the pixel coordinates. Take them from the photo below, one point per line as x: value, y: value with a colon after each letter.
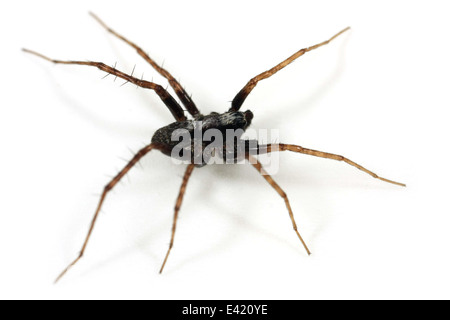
x: 202, y: 132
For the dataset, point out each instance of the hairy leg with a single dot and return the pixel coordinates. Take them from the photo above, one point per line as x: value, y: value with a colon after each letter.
x: 186, y: 177
x: 180, y: 92
x: 165, y: 96
x: 294, y: 148
x: 106, y: 189
x: 280, y: 191
x: 245, y: 91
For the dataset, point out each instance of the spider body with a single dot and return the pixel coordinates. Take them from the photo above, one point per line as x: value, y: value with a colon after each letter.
x: 203, y: 132
x: 229, y: 125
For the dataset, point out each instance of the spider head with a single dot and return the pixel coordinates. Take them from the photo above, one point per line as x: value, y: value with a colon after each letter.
x: 236, y: 119
x: 248, y: 117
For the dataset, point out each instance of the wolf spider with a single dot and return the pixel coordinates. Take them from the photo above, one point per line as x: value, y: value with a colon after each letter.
x: 231, y: 119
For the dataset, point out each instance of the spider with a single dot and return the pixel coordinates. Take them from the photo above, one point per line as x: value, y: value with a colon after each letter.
x: 231, y: 119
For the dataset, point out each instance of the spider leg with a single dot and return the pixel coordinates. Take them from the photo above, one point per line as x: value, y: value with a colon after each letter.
x: 280, y: 191
x: 181, y: 93
x: 294, y: 148
x: 106, y: 189
x: 245, y: 91
x: 186, y: 177
x: 165, y: 96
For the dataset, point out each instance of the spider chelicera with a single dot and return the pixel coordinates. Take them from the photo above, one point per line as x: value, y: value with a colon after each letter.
x: 232, y: 119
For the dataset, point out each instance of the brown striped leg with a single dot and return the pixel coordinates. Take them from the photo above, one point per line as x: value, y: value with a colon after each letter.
x: 245, y: 91
x: 294, y: 148
x: 280, y: 191
x: 168, y: 100
x: 181, y: 93
x: 186, y: 177
x: 106, y: 189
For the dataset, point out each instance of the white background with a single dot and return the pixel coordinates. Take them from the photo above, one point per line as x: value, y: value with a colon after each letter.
x: 378, y: 95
